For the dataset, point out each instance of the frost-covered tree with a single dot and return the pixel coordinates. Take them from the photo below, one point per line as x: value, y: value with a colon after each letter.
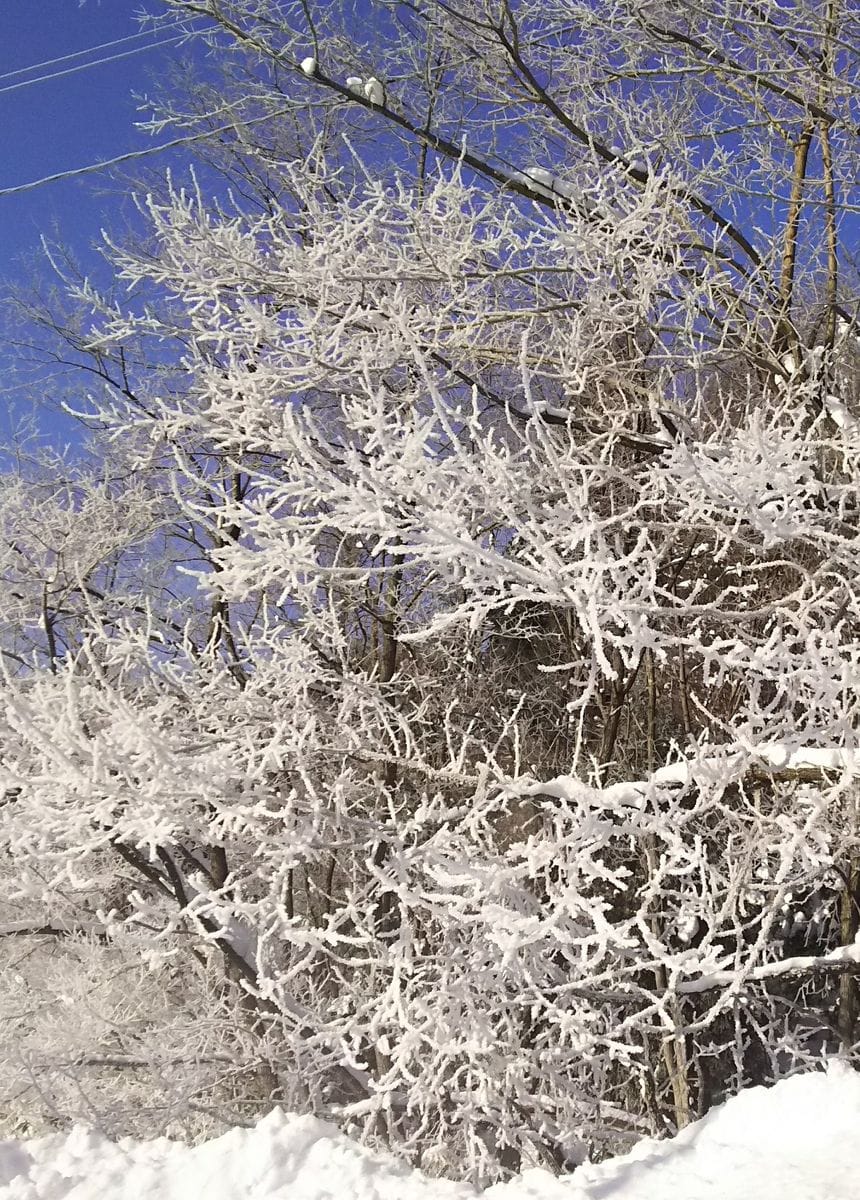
x: 498, y: 790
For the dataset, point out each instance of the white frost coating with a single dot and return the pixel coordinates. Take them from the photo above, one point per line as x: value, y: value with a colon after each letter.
x: 374, y: 91
x: 780, y: 757
x: 552, y: 410
x: 800, y: 964
x: 309, y: 66
x: 119, y: 750
x: 539, y: 175
x: 669, y: 428
x: 355, y: 84
x: 789, y: 363
x: 846, y: 953
x: 568, y: 190
x: 687, y: 927
x: 538, y: 179
x: 773, y: 756
x: 238, y: 933
x: 544, y: 181
x: 839, y: 414
x: 846, y: 329
x: 834, y: 405
x: 769, y: 756
x: 774, y: 506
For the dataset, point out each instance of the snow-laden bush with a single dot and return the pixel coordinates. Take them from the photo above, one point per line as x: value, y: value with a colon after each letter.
x: 462, y: 734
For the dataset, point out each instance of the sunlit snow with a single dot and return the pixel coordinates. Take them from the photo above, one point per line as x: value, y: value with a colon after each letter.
x: 374, y: 91
x: 795, y: 1141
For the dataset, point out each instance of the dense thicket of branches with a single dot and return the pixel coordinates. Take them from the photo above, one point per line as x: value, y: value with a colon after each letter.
x: 444, y: 682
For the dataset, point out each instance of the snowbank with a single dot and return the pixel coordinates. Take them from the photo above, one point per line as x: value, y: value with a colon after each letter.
x: 797, y: 1140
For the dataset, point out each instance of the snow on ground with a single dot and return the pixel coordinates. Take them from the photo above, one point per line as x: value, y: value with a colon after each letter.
x: 796, y: 1141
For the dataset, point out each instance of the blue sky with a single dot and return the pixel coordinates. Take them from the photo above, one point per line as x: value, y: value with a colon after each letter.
x: 76, y: 119
x: 60, y: 124
x: 68, y: 121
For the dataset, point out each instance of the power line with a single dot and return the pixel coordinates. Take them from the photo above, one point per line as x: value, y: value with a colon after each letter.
x: 13, y: 87
x: 134, y: 154
x: 50, y: 62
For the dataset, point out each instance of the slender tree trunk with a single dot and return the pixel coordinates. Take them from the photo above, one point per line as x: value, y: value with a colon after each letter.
x: 848, y: 1007
x: 830, y: 229
x: 788, y: 267
x: 674, y: 1048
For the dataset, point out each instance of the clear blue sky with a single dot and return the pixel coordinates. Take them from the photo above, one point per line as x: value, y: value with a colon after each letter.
x: 59, y: 124
x: 68, y: 121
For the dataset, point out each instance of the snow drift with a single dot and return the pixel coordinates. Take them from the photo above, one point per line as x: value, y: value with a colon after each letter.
x: 796, y: 1139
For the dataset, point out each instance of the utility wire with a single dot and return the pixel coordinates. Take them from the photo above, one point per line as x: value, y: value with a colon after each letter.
x: 134, y: 154
x: 50, y: 62
x: 13, y: 87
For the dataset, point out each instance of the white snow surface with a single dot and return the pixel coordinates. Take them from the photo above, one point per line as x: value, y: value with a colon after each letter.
x: 374, y: 91
x: 797, y: 1139
x: 768, y: 756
